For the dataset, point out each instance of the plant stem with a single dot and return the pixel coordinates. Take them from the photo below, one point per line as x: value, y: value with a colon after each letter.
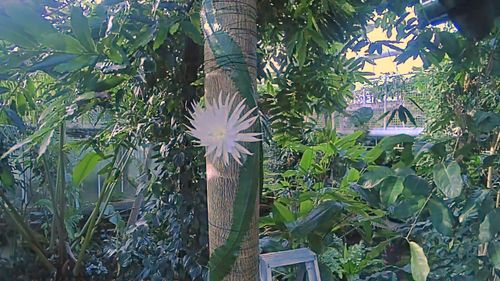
x: 50, y: 187
x: 25, y: 231
x: 493, y: 149
x: 418, y: 215
x: 97, y: 213
x: 60, y: 197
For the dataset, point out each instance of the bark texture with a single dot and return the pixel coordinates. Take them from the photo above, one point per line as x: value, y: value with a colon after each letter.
x: 238, y: 18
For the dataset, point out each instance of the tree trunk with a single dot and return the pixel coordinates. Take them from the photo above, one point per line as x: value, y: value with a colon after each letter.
x: 238, y: 19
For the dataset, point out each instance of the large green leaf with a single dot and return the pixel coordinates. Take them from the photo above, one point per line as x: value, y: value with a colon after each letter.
x: 52, y: 61
x: 373, y: 154
x: 107, y: 83
x: 388, y: 143
x: 473, y: 204
x: 419, y: 265
x: 281, y: 213
x: 85, y: 167
x: 192, y: 31
x: 490, y: 227
x: 81, y: 29
x: 15, y: 34
x: 407, y: 208
x: 351, y: 176
x: 441, y: 216
x: 450, y: 44
x: 307, y: 159
x: 76, y: 64
x: 23, y: 15
x: 62, y: 43
x: 320, y: 217
x: 416, y: 186
x: 390, y: 188
x: 448, y: 179
x: 486, y: 121
x: 45, y: 143
x: 167, y: 26
x: 375, y: 175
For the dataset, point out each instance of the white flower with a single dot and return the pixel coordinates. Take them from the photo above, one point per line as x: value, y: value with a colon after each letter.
x: 220, y: 128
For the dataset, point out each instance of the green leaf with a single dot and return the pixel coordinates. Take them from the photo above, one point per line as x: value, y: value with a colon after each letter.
x: 81, y: 29
x: 167, y: 26
x: 473, y: 204
x: 348, y: 141
x: 85, y: 167
x: 115, y: 53
x: 362, y: 115
x: 351, y: 176
x: 388, y: 143
x: 450, y: 44
x: 373, y: 154
x: 407, y: 208
x: 281, y: 213
x: 320, y: 218
x: 494, y: 253
x: 438, y: 149
x: 416, y: 186
x: 409, y: 115
x: 318, y: 38
x: 14, y: 118
x: 448, y: 179
x: 45, y: 143
x: 62, y: 43
x: 402, y: 114
x: 490, y: 227
x: 441, y: 216
x: 192, y: 32
x: 393, y: 114
x: 6, y: 176
x: 75, y: 64
x: 52, y: 61
x: 289, y: 173
x: 301, y: 50
x: 375, y: 175
x: 23, y: 15
x: 146, y: 35
x: 419, y: 266
x: 390, y: 188
x: 15, y: 34
x: 307, y: 158
x: 486, y: 121
x: 305, y: 207
x: 107, y: 83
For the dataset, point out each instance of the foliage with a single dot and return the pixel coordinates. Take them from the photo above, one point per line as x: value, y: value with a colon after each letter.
x: 406, y: 208
x: 98, y: 60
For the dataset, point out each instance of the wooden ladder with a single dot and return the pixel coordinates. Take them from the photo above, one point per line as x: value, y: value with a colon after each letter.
x: 291, y: 257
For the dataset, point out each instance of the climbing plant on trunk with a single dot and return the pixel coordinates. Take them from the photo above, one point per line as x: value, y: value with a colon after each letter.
x: 230, y: 67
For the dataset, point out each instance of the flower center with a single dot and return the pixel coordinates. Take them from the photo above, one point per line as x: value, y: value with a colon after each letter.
x: 219, y: 133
